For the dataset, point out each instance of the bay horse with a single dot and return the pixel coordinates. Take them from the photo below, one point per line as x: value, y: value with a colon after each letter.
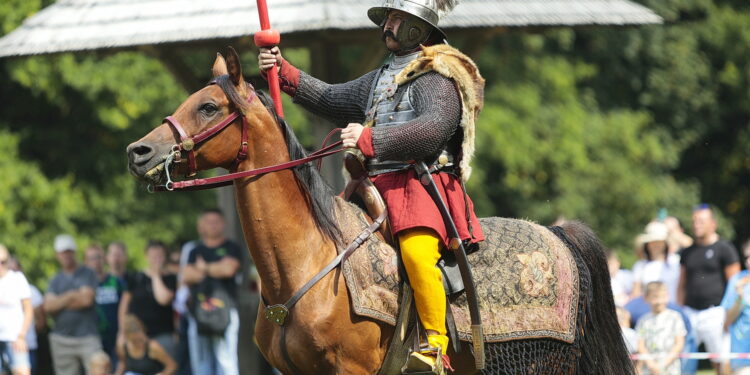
x: 290, y: 228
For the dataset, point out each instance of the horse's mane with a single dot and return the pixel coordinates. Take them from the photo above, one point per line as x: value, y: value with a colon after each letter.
x: 319, y: 194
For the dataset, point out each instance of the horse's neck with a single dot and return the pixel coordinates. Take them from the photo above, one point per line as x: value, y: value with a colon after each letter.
x: 286, y: 245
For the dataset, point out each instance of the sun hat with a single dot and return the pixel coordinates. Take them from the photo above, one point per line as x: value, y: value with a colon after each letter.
x: 654, y: 231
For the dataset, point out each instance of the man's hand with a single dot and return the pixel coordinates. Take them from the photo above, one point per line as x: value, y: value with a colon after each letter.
x: 268, y: 57
x: 201, y: 264
x: 154, y: 268
x: 351, y: 135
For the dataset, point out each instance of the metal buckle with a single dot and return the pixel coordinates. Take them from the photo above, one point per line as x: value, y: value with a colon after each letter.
x: 188, y: 144
x: 277, y: 314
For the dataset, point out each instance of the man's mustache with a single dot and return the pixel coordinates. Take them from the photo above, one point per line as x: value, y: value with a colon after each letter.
x: 389, y: 33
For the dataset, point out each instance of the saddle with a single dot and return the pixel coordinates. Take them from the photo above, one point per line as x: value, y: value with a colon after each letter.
x: 361, y: 191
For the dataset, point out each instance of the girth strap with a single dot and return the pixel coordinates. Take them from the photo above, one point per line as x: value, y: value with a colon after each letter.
x: 278, y: 313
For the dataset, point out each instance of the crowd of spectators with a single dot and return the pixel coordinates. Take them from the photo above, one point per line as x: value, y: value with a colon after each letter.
x: 681, y: 293
x: 108, y: 319
x: 179, y: 313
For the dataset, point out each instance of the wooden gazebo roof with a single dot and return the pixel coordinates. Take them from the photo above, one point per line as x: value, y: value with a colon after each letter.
x: 79, y: 25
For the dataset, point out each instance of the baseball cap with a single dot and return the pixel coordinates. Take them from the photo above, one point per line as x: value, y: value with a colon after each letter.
x: 64, y: 242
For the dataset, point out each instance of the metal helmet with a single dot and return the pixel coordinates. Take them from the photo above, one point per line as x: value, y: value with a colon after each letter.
x: 426, y: 17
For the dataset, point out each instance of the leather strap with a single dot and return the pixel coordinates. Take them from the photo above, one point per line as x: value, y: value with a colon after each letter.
x: 285, y: 351
x: 188, y: 144
x: 278, y: 313
x: 242, y: 154
x: 218, y: 181
x: 336, y: 261
x: 457, y: 246
x: 398, y: 349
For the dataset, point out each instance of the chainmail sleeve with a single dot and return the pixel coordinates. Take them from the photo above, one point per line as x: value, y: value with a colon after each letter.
x: 340, y: 103
x: 438, y: 106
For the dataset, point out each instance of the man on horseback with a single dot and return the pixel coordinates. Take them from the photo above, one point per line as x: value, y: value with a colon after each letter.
x: 419, y: 106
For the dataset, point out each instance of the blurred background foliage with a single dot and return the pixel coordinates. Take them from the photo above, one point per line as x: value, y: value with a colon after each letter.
x: 604, y: 125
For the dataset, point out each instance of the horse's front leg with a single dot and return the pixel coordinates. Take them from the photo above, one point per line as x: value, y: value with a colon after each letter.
x: 362, y: 348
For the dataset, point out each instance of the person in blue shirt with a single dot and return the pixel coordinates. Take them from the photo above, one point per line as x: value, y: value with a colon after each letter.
x: 736, y: 302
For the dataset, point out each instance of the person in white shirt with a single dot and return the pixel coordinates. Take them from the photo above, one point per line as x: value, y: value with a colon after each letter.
x: 15, y: 317
x: 658, y: 264
x: 39, y: 320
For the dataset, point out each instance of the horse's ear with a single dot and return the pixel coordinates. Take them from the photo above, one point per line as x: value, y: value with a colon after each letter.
x: 234, y: 67
x: 220, y: 66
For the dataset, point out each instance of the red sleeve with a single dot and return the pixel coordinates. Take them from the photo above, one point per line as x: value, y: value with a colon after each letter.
x: 364, y: 143
x: 288, y: 77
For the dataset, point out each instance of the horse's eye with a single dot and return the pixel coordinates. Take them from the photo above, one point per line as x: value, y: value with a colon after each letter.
x: 209, y: 109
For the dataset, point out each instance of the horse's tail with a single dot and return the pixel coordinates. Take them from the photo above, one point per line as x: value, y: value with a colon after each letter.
x: 604, y: 350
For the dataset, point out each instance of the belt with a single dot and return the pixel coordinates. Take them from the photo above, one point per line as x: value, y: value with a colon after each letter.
x: 444, y: 163
x: 383, y: 168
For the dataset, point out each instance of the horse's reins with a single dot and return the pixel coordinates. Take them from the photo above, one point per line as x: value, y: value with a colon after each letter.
x: 188, y: 143
x: 276, y: 313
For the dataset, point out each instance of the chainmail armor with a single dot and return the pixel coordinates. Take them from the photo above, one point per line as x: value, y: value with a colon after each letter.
x: 340, y: 103
x: 434, y: 98
x: 438, y: 107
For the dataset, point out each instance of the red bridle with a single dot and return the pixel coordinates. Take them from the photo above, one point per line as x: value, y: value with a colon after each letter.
x: 189, y: 143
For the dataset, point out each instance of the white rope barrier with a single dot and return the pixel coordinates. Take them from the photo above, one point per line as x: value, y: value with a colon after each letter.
x: 693, y: 356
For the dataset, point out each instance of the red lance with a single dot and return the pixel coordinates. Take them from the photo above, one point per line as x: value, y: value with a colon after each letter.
x: 269, y: 38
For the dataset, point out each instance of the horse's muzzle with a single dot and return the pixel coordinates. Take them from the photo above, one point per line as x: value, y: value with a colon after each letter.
x: 142, y: 159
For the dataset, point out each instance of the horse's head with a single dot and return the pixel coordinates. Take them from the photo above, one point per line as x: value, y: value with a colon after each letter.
x: 206, y: 131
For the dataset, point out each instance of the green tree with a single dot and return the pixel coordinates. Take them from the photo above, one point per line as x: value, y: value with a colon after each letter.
x: 66, y: 120
x: 548, y: 149
x: 692, y: 75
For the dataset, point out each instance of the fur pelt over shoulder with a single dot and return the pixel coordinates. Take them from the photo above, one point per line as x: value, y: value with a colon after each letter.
x: 451, y: 63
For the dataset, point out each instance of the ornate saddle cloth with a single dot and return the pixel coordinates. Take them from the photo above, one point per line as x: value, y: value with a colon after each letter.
x: 527, y: 280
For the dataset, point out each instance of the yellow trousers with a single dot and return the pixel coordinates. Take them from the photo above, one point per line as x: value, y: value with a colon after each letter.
x: 420, y: 252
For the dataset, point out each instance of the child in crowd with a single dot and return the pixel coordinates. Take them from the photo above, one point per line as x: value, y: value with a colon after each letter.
x: 100, y: 364
x: 628, y: 333
x: 661, y: 334
x: 140, y: 355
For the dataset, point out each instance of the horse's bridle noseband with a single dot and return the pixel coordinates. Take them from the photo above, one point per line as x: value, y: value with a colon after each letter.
x: 188, y: 143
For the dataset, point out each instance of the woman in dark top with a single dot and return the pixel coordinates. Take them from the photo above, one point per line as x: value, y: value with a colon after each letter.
x: 149, y: 296
x: 139, y: 355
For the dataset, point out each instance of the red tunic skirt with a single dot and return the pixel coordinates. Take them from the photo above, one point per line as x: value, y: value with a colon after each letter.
x: 411, y: 206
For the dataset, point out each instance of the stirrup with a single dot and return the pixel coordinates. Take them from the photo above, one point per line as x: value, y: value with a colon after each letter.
x: 428, y: 361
